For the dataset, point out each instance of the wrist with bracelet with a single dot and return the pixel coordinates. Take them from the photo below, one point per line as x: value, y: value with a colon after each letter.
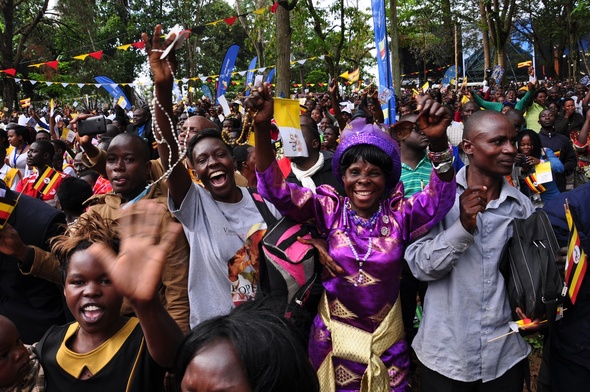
x: 442, y: 161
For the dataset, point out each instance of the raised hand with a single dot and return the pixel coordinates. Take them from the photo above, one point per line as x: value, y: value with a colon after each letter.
x: 162, y: 69
x: 433, y: 119
x: 261, y: 101
x: 136, y: 272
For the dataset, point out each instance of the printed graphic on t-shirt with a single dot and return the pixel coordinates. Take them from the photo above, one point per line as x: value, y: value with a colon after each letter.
x: 243, y: 267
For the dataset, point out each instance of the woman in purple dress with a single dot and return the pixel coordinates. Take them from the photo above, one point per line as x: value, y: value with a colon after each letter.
x: 357, y: 340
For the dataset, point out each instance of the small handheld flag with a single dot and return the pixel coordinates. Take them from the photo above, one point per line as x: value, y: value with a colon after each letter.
x: 576, y: 264
x: 46, y: 181
x: 6, y: 208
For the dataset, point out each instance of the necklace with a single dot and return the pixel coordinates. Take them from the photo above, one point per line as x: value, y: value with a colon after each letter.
x: 358, y: 259
x: 363, y: 222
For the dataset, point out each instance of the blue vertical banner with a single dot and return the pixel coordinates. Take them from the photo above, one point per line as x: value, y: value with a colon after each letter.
x: 386, y: 92
x: 226, y: 67
x: 207, y: 92
x: 270, y: 75
x: 250, y: 74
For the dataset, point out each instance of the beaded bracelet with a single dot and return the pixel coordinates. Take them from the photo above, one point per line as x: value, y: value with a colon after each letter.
x: 440, y: 156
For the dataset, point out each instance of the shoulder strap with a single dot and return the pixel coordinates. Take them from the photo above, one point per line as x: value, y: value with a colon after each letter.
x: 268, y: 217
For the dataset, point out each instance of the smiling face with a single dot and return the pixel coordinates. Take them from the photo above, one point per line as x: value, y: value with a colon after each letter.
x: 364, y: 184
x: 214, y: 166
x: 330, y: 139
x: 127, y: 166
x: 90, y: 295
x: 14, y: 357
x: 526, y: 145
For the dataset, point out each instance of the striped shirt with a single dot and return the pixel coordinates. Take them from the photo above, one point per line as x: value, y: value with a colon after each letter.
x: 415, y: 180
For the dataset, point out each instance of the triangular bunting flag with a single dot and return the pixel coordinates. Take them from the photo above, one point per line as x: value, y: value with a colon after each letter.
x: 96, y: 55
x: 114, y: 85
x: 81, y: 85
x: 33, y: 82
x: 259, y: 11
x: 53, y: 64
x: 36, y: 65
x: 49, y: 83
x: 138, y: 45
x: 184, y: 80
x: 230, y: 21
x: 273, y: 8
x: 124, y: 47
x: 97, y: 85
x: 261, y: 70
x: 242, y: 73
x: 81, y: 57
x: 17, y: 80
x: 301, y: 62
x: 10, y: 71
x: 65, y: 84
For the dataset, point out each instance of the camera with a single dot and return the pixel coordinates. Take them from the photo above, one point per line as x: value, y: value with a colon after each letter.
x: 92, y: 126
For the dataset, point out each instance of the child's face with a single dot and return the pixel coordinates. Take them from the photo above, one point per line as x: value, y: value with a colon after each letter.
x: 526, y: 145
x: 90, y: 296
x: 14, y: 357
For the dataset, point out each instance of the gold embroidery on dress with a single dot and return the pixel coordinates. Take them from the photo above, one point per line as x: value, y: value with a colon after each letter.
x: 339, y: 310
x: 321, y: 335
x: 378, y: 317
x: 366, y: 279
x: 396, y: 376
x: 344, y: 376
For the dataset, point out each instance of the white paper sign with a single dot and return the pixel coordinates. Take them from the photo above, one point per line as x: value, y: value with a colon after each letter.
x: 293, y: 142
x: 223, y: 102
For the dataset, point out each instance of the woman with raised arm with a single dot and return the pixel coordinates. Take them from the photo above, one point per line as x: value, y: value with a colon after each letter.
x: 356, y: 341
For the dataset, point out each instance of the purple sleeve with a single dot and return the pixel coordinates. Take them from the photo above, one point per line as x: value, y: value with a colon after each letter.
x: 296, y: 202
x: 425, y: 209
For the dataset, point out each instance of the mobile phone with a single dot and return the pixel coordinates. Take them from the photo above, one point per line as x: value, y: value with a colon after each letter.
x: 92, y: 126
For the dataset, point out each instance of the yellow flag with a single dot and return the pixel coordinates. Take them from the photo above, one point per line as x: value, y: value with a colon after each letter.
x: 425, y: 87
x: 287, y: 118
x: 344, y: 75
x: 354, y: 75
x: 82, y: 56
x: 525, y: 64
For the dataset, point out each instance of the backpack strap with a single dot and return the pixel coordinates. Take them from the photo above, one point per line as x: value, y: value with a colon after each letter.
x: 268, y: 216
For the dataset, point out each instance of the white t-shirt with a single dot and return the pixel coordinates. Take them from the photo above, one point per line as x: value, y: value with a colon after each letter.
x: 218, y: 234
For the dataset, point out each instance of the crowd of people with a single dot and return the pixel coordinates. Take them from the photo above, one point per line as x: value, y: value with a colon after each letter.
x: 132, y: 259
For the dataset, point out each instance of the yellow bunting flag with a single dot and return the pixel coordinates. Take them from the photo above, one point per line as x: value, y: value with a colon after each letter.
x: 354, y: 75
x: 525, y: 64
x: 46, y: 181
x: 576, y: 264
x: 81, y: 57
x: 287, y: 118
x: 6, y: 208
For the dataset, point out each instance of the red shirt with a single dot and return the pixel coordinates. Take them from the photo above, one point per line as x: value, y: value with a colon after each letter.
x: 26, y: 186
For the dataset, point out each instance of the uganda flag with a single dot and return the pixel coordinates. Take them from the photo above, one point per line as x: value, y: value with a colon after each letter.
x: 25, y: 103
x: 46, y: 181
x: 534, y: 186
x: 576, y: 264
x: 6, y: 208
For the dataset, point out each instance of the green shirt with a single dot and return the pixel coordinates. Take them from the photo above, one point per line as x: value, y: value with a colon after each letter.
x: 415, y: 180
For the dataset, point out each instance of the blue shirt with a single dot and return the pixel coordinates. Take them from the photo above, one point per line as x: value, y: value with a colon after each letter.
x: 466, y: 303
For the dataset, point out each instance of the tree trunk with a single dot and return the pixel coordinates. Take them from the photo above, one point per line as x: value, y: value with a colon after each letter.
x: 395, y: 60
x: 283, y: 74
x: 485, y: 38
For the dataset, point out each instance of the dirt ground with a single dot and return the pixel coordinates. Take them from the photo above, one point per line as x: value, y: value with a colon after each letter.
x: 534, y: 363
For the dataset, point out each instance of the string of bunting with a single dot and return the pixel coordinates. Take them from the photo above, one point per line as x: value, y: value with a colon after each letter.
x: 140, y: 45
